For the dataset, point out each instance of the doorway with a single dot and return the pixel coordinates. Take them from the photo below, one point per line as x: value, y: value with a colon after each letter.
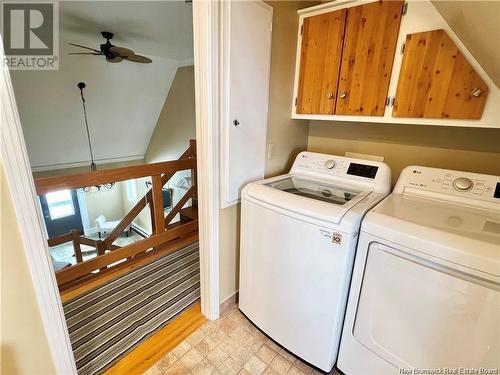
x: 61, y: 212
x: 14, y: 155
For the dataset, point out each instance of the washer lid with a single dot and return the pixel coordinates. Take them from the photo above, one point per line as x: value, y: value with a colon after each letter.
x: 463, y: 235
x: 312, y: 198
x: 315, y: 190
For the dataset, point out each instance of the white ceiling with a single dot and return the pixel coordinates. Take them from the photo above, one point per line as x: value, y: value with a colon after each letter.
x: 123, y: 100
x: 157, y: 28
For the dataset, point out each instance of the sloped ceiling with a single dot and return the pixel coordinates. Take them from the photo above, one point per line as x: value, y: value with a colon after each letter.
x: 477, y: 24
x: 123, y: 100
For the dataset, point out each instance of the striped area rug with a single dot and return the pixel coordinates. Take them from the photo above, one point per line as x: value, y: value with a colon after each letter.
x: 108, y: 322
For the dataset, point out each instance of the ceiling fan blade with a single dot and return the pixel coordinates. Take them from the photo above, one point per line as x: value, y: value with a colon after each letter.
x: 78, y: 45
x: 85, y: 53
x: 139, y: 59
x: 121, y: 51
x: 115, y: 59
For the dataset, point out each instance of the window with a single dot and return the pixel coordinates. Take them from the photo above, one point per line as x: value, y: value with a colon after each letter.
x: 131, y: 186
x: 60, y: 204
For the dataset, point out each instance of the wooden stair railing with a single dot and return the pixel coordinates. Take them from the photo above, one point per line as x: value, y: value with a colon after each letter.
x: 83, y: 269
x: 163, y: 231
x: 190, y: 153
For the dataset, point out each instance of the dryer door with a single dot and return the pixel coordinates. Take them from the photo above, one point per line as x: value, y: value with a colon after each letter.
x: 422, y: 313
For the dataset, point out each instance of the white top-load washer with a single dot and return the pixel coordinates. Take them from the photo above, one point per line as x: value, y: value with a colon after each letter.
x: 298, y: 238
x: 425, y: 292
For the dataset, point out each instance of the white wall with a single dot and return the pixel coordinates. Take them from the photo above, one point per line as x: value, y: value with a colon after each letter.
x: 23, y: 344
x: 175, y: 127
x: 105, y: 202
x: 123, y: 102
x: 143, y: 220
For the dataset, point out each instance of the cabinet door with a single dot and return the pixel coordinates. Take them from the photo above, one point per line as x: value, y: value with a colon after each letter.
x: 436, y: 81
x: 369, y: 46
x: 321, y: 51
x: 246, y: 96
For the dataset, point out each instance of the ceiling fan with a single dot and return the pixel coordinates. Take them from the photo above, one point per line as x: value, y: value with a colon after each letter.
x: 112, y: 53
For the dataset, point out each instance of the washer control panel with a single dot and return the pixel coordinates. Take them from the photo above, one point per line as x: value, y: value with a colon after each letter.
x: 463, y: 184
x: 324, y: 166
x: 450, y: 183
x: 330, y: 164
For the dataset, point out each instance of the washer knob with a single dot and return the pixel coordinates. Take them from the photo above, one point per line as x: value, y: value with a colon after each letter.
x: 330, y: 164
x: 463, y: 184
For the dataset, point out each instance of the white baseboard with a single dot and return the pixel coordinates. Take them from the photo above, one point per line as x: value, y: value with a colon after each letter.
x: 141, y: 229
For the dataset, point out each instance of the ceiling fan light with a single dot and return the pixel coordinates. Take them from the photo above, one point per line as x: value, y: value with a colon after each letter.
x: 115, y: 59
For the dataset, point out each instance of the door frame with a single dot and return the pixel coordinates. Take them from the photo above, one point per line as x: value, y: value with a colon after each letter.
x: 206, y: 38
x: 63, y: 221
x: 21, y: 185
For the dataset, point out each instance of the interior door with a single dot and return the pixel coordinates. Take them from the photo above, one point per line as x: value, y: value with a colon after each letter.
x: 321, y: 52
x: 61, y: 212
x: 368, y: 53
x: 247, y: 90
x: 436, y: 81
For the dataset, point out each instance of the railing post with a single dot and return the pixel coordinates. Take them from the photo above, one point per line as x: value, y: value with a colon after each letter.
x: 152, y: 213
x: 158, y: 212
x: 75, y: 237
x: 192, y: 147
x: 101, y: 250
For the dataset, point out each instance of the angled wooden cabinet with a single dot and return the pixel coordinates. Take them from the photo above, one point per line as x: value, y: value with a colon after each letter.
x: 436, y: 81
x: 321, y: 50
x: 346, y: 59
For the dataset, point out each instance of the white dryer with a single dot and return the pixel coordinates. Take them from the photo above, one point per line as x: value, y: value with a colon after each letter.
x: 425, y: 292
x: 298, y: 237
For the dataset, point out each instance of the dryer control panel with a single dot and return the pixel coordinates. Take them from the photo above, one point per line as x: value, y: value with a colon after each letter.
x: 450, y: 185
x: 374, y: 175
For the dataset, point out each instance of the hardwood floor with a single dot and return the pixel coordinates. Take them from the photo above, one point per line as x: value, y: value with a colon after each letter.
x: 154, y: 348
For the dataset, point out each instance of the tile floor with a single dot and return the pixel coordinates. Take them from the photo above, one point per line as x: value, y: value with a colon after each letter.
x: 229, y: 346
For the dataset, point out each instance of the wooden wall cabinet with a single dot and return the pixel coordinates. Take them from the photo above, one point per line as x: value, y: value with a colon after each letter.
x: 388, y: 61
x: 369, y: 46
x: 436, y: 81
x: 321, y: 51
x: 346, y: 59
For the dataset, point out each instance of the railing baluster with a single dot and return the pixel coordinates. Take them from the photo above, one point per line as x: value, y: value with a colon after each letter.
x: 75, y: 237
x: 188, y: 194
x: 159, y: 215
x: 101, y: 250
x: 192, y: 147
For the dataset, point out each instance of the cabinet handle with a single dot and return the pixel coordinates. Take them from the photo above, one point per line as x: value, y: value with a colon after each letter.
x: 342, y: 95
x: 476, y: 92
x: 329, y: 95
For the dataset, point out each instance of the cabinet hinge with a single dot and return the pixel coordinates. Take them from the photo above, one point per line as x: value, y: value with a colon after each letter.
x: 389, y: 101
x: 403, y: 47
x: 404, y: 9
x: 295, y: 102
